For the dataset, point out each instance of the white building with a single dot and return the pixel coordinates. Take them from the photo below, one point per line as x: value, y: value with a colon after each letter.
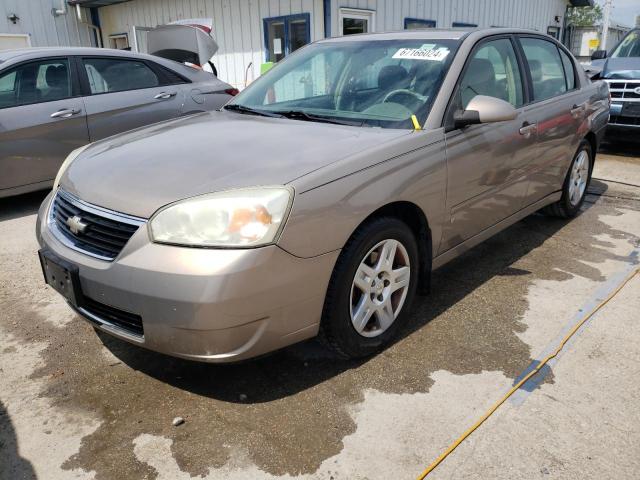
x: 583, y: 41
x: 252, y: 32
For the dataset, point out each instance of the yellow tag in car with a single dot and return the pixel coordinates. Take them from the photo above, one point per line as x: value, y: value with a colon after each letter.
x: 416, y: 124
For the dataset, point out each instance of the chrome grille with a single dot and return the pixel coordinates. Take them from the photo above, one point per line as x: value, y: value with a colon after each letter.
x: 624, y: 90
x: 89, y: 229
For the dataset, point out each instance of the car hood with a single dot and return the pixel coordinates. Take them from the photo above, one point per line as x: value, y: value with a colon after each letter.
x: 624, y: 68
x: 140, y: 171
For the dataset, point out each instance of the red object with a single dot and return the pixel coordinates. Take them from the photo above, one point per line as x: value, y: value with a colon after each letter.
x: 232, y: 91
x: 204, y: 28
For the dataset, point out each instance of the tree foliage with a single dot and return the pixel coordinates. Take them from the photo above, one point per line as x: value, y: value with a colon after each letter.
x: 584, y: 16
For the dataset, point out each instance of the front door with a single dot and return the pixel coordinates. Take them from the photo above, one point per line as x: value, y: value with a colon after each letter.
x: 486, y: 163
x: 41, y: 121
x: 126, y: 94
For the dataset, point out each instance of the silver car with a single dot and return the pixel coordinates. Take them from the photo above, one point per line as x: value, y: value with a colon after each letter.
x: 321, y: 198
x: 54, y: 100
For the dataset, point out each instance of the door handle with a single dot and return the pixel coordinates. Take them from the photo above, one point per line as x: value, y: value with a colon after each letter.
x: 65, y: 113
x: 527, y: 129
x: 578, y: 110
x: 165, y: 95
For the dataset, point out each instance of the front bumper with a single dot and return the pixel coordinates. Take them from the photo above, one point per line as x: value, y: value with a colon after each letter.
x: 622, y: 118
x: 203, y: 304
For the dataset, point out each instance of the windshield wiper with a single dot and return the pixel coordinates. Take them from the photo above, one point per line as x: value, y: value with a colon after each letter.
x: 310, y: 117
x: 235, y: 107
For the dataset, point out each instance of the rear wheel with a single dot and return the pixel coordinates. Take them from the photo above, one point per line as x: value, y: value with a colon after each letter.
x: 371, y: 288
x: 575, y: 185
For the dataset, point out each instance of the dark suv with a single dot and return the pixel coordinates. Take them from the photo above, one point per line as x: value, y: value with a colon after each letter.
x: 621, y: 70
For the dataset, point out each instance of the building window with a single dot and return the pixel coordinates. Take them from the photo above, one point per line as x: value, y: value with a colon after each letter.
x: 352, y: 21
x: 119, y: 41
x: 283, y: 35
x: 418, y: 23
x: 463, y: 25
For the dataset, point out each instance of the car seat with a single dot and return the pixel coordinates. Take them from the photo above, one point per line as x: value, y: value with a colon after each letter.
x: 480, y: 79
x: 58, y: 82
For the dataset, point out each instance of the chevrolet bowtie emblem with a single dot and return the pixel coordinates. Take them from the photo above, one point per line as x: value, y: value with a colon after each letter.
x: 76, y: 225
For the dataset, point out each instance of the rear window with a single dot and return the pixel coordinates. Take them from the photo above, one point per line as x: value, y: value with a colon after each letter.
x: 108, y: 75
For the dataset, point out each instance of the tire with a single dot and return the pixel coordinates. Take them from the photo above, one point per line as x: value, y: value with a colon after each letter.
x: 569, y: 204
x: 385, y: 308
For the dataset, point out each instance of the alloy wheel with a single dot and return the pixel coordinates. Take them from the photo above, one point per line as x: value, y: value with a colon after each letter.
x: 579, y: 178
x: 380, y: 287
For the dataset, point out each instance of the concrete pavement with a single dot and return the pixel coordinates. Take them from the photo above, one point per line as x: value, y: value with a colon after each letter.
x: 74, y: 404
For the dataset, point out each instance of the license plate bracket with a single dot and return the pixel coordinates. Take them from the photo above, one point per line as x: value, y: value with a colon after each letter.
x: 62, y: 276
x: 631, y: 109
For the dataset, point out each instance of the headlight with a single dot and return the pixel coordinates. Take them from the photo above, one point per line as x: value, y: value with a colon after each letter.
x: 67, y: 161
x: 235, y: 218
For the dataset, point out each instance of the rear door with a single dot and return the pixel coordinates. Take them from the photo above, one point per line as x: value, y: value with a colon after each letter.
x: 486, y: 163
x: 126, y: 93
x: 558, y: 108
x: 42, y: 119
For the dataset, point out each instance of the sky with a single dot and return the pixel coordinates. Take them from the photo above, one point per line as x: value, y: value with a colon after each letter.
x: 624, y: 11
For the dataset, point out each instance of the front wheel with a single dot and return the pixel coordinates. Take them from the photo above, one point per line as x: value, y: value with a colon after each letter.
x: 371, y: 288
x: 575, y: 185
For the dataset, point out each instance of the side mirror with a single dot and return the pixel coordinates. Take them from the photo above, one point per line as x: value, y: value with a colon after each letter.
x: 483, y: 109
x: 599, y: 54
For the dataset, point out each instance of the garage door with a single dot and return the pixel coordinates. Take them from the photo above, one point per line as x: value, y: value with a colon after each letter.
x: 10, y: 41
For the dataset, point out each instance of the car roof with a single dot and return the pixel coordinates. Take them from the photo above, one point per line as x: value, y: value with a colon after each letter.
x: 37, y: 52
x: 22, y: 54
x: 429, y: 33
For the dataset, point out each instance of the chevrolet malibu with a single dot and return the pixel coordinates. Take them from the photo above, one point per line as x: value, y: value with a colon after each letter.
x: 320, y: 199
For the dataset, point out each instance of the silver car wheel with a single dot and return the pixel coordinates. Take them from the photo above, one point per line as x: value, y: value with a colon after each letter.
x: 380, y: 287
x: 579, y: 177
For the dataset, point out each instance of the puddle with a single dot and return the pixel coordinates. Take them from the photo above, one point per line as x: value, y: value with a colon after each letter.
x: 303, y: 410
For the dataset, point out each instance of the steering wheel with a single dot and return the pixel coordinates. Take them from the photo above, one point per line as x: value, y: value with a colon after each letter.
x: 403, y: 91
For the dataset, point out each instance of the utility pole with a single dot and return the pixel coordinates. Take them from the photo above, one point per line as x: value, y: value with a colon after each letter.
x: 606, y: 18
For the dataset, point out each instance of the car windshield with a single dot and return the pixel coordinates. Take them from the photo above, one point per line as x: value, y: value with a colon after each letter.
x: 380, y: 83
x: 629, y: 47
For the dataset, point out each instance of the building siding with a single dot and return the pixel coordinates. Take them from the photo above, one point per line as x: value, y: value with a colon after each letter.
x: 390, y: 14
x: 44, y: 30
x: 237, y: 26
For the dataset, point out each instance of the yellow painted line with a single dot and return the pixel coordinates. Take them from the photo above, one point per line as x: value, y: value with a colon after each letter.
x: 496, y: 405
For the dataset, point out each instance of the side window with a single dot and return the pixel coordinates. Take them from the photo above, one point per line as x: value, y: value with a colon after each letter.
x: 8, y: 89
x: 35, y: 82
x: 546, y: 68
x: 108, y: 75
x: 493, y: 71
x: 569, y: 72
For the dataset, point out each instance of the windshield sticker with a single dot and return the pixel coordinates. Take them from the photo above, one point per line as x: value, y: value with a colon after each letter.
x: 432, y: 54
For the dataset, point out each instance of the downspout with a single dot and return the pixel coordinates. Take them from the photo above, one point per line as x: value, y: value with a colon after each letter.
x: 326, y: 7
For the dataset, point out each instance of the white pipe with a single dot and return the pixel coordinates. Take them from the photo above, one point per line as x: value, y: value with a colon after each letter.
x: 60, y: 11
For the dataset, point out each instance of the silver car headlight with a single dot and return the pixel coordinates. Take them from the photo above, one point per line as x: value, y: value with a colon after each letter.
x: 248, y: 217
x: 67, y: 161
